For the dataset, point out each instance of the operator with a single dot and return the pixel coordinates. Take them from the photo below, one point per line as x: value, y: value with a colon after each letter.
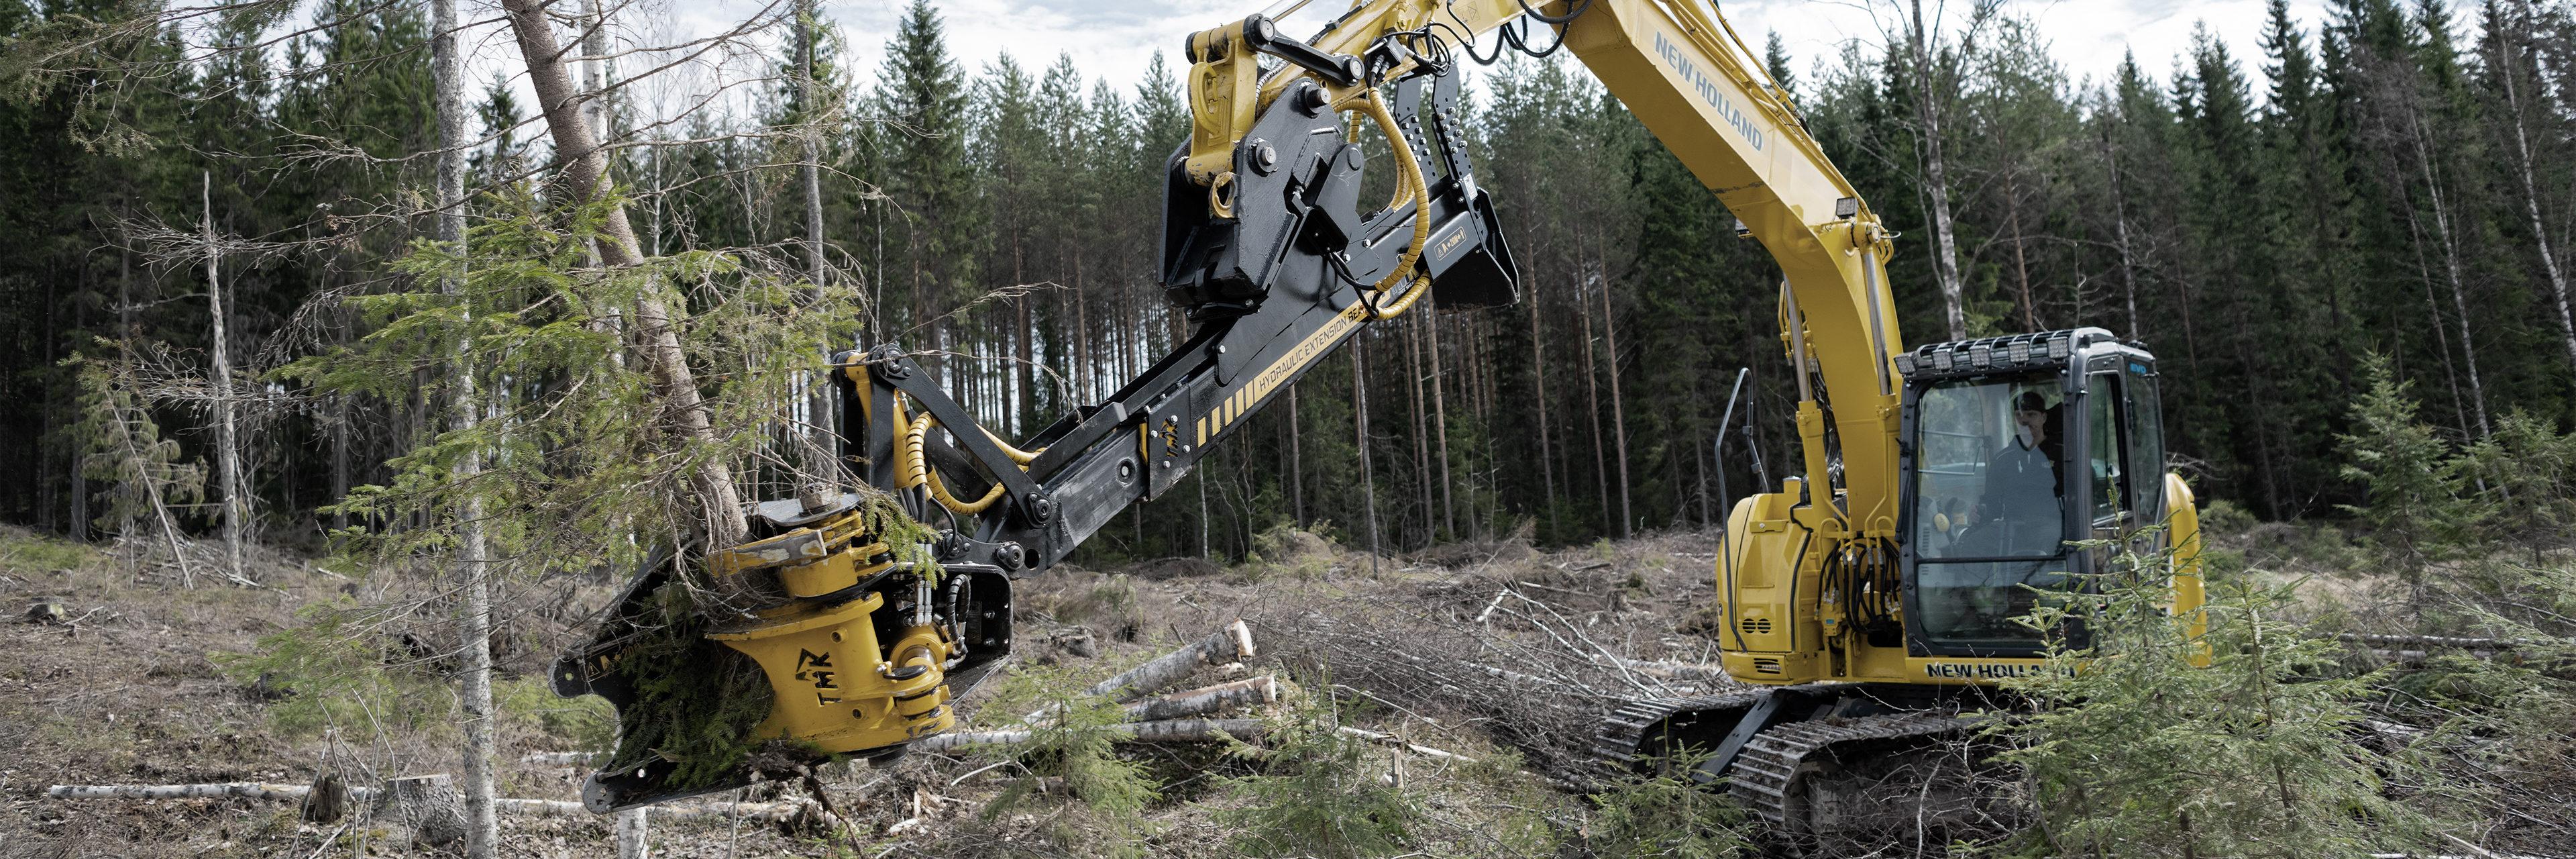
x: 2021, y: 510
x: 2018, y: 515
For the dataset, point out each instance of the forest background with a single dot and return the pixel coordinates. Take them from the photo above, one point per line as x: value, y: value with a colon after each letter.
x: 2403, y: 185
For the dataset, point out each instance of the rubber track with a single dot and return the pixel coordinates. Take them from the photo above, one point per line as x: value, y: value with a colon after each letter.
x: 1762, y: 773
x: 1623, y: 733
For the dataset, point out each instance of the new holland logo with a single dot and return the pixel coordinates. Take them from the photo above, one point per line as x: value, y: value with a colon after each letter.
x: 1981, y: 670
x: 1708, y: 90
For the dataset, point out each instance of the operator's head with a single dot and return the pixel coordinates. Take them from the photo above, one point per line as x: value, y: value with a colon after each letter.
x: 2030, y: 410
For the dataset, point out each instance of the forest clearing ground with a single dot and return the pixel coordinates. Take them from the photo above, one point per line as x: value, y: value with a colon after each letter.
x: 135, y: 691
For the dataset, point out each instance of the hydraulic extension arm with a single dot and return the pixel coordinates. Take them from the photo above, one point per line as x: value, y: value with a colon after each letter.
x: 863, y: 622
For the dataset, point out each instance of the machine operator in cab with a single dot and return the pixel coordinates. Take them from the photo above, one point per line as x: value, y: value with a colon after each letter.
x: 2013, y: 532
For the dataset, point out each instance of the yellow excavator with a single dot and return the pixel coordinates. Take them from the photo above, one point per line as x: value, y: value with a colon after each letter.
x: 1866, y: 599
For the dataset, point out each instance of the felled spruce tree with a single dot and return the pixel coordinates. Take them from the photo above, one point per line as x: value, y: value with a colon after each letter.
x: 578, y: 470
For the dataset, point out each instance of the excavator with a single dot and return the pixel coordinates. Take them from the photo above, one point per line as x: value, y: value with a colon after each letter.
x: 1866, y: 600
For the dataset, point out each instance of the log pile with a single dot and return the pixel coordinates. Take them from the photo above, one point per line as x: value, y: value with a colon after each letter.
x: 1532, y: 664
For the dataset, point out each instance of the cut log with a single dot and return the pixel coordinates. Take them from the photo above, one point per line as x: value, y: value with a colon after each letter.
x: 1170, y: 731
x: 429, y: 804
x: 247, y: 789
x: 773, y: 812
x: 1202, y: 701
x: 1394, y: 741
x: 565, y: 759
x: 1230, y: 643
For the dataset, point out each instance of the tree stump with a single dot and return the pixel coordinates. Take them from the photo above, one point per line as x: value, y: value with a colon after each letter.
x: 428, y: 805
x: 631, y: 826
x: 328, y: 801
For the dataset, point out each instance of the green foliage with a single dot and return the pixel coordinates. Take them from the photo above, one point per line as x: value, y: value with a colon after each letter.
x: 2528, y: 470
x: 569, y: 472
x: 708, y: 696
x: 1667, y: 815
x: 121, y: 445
x: 2416, y: 508
x: 2136, y: 750
x: 29, y: 554
x: 1320, y: 795
x: 336, y: 669
x: 529, y: 705
x: 1078, y: 747
x: 2224, y: 517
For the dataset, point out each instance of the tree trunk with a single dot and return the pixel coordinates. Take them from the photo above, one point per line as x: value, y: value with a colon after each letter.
x: 1440, y: 417
x: 339, y: 456
x: 1359, y: 426
x: 2531, y: 201
x: 1087, y: 363
x: 2451, y: 268
x: 1945, y: 241
x: 821, y: 479
x: 1618, y: 414
x: 1592, y: 399
x: 1296, y: 463
x: 1699, y: 459
x: 631, y: 835
x: 227, y: 449
x: 1538, y: 376
x: 585, y: 168
x: 2441, y: 330
x: 2021, y: 264
x: 1421, y: 433
x: 2120, y: 232
x: 474, y: 614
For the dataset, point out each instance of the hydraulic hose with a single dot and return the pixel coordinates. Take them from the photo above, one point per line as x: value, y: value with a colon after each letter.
x: 1412, y: 186
x: 916, y: 471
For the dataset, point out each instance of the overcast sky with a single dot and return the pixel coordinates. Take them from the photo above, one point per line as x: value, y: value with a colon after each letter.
x: 1114, y: 39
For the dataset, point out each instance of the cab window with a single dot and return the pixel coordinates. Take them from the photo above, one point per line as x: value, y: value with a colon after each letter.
x: 1987, y: 481
x: 1989, y: 517
x: 2102, y: 408
x: 2145, y: 430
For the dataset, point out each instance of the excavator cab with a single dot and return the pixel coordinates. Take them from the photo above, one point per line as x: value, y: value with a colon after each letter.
x: 2020, y: 453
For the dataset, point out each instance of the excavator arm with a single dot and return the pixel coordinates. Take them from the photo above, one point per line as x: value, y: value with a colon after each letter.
x: 851, y: 619
x: 861, y: 614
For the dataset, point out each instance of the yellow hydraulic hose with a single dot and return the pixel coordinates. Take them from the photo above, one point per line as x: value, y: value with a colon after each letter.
x: 1412, y: 294
x: 1411, y: 184
x: 914, y: 468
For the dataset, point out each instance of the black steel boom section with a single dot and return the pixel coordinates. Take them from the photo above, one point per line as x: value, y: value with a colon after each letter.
x: 1273, y: 285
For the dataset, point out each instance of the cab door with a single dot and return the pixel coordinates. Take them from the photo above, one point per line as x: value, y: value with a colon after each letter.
x: 2121, y: 459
